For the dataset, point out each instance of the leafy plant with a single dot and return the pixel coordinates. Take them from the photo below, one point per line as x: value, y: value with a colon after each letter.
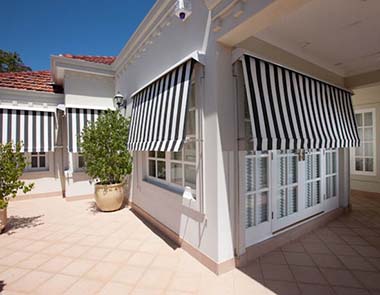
x: 103, y: 145
x: 12, y: 165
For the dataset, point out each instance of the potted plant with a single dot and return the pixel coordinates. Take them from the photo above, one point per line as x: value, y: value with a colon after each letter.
x: 108, y: 162
x: 12, y: 165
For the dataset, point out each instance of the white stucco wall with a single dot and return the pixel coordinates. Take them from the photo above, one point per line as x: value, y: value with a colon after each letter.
x: 368, y: 98
x: 88, y: 90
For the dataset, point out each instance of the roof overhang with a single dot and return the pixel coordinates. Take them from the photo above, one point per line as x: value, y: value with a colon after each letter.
x: 60, y: 64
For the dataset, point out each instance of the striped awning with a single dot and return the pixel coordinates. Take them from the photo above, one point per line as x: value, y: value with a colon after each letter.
x: 159, y: 112
x: 35, y: 129
x: 77, y: 119
x: 289, y: 110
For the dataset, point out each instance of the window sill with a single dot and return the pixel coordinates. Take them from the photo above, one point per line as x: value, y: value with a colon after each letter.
x: 181, y: 192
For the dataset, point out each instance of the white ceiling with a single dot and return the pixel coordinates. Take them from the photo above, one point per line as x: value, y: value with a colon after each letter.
x: 340, y: 35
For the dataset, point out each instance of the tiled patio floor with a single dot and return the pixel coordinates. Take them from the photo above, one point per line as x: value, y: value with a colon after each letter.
x: 55, y: 247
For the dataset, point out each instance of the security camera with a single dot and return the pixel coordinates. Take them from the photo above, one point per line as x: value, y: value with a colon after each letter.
x: 183, y: 9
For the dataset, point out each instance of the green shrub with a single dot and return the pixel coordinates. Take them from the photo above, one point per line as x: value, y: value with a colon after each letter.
x: 104, y: 148
x: 12, y: 165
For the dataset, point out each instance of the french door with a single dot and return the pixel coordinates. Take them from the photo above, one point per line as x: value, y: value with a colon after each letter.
x: 285, y: 187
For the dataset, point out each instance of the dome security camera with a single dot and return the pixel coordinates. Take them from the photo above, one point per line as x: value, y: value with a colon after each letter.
x: 183, y: 9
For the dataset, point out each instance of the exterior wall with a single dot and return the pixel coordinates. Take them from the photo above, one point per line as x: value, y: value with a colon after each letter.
x: 83, y: 91
x: 368, y: 98
x: 88, y: 90
x: 46, y: 183
x: 206, y: 223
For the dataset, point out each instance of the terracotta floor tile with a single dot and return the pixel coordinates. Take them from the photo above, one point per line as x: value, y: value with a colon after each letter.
x: 371, y: 280
x: 273, y: 258
x: 356, y: 263
x: 283, y: 288
x: 34, y: 261
x: 75, y: 251
x: 327, y: 260
x: 132, y: 245
x: 102, y: 271
x: 298, y: 259
x: 367, y: 251
x: 340, y: 277
x: 341, y: 249
x: 313, y: 289
x: 12, y: 274
x: 55, y: 264
x: 140, y: 259
x: 15, y: 258
x: 306, y: 274
x: 277, y: 272
x: 57, y: 284
x: 141, y: 291
x: 115, y: 289
x: 96, y: 253
x: 155, y: 279
x: 117, y: 256
x: 293, y: 247
x: 30, y: 281
x: 128, y: 274
x: 316, y: 248
x: 78, y: 267
x: 350, y: 291
x: 85, y: 286
x: 354, y: 240
x: 185, y: 282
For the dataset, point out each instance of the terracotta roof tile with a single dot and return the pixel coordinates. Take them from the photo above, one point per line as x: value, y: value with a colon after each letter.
x: 93, y: 58
x: 36, y: 80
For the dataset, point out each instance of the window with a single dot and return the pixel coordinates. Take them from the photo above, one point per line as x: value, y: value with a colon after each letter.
x: 313, y: 178
x: 331, y: 174
x: 287, y: 197
x: 179, y: 168
x: 257, y: 188
x: 79, y: 163
x: 37, y: 161
x: 364, y: 156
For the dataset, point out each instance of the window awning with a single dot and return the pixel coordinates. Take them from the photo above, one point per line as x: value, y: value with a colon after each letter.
x: 159, y: 112
x: 35, y: 129
x: 77, y: 119
x: 289, y: 110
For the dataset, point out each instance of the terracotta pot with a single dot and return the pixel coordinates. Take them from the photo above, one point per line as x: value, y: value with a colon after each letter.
x: 3, y: 219
x: 109, y: 197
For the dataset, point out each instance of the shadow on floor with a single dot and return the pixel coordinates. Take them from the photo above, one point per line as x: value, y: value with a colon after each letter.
x: 17, y: 222
x: 2, y: 285
x: 172, y: 244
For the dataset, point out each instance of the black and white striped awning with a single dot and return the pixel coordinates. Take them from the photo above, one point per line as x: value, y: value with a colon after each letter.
x: 77, y: 119
x: 289, y: 110
x: 159, y: 112
x: 35, y: 129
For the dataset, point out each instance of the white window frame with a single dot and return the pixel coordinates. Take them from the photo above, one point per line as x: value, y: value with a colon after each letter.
x: 193, y: 193
x: 362, y: 141
x: 29, y: 168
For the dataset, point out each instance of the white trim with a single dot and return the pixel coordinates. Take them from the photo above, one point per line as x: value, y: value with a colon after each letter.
x: 88, y: 107
x: 238, y: 53
x: 196, y: 55
x: 352, y: 151
x: 28, y: 108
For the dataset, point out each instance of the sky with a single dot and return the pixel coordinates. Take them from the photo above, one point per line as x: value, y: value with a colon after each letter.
x: 37, y: 29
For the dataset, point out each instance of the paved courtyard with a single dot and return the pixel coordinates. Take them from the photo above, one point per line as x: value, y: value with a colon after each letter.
x: 54, y: 247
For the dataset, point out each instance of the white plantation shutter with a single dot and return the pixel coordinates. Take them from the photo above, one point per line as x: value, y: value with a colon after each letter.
x: 256, y: 190
x: 331, y: 174
x: 313, y: 182
x: 287, y: 196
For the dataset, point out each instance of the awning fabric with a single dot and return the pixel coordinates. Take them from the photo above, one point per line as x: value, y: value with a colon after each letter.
x: 289, y: 110
x: 77, y: 119
x: 159, y: 112
x: 35, y: 129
